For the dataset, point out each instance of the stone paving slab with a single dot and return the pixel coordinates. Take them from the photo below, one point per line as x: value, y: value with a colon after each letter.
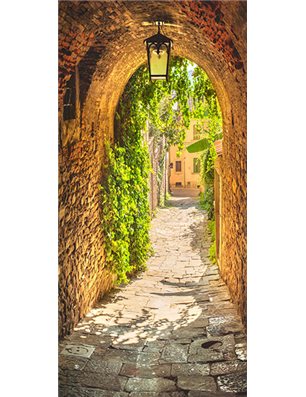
x: 199, y: 383
x: 84, y: 392
x: 171, y: 332
x: 97, y: 364
x: 228, y: 367
x: 146, y: 371
x: 211, y: 394
x: 190, y: 369
x: 105, y: 382
x: 152, y: 384
x: 72, y: 363
x: 174, y: 353
x: 232, y: 382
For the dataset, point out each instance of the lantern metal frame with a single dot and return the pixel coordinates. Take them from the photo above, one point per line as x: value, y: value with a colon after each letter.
x: 158, y: 41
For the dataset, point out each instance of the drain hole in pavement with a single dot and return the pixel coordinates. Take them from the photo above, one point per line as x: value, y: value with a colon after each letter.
x: 212, y: 343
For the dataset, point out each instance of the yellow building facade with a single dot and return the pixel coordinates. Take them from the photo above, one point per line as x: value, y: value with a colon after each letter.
x: 185, y: 170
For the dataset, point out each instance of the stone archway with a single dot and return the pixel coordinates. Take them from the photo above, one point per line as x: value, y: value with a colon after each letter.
x: 101, y: 45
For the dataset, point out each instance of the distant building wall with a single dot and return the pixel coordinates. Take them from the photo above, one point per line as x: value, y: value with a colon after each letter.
x: 186, y: 170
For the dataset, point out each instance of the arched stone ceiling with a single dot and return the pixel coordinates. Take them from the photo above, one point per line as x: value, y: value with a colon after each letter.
x: 105, y: 39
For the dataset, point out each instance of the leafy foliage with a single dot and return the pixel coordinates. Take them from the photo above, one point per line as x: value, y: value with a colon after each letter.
x: 207, y: 201
x: 117, y: 212
x: 212, y: 252
x: 166, y: 109
x: 212, y: 248
x: 124, y: 189
x: 198, y: 146
x: 206, y: 107
x: 125, y: 209
x: 170, y: 112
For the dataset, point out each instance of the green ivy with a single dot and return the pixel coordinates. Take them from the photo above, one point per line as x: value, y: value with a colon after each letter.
x: 206, y: 107
x: 207, y: 201
x: 164, y: 107
x: 124, y: 188
x: 125, y: 210
x: 212, y: 253
x: 212, y: 248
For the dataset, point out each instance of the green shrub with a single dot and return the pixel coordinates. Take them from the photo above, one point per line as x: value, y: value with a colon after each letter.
x: 125, y: 213
x: 212, y: 249
x: 212, y: 229
x: 124, y: 189
x: 212, y: 253
x: 207, y: 201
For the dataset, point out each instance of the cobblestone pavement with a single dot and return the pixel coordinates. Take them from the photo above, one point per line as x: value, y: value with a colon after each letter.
x: 171, y: 332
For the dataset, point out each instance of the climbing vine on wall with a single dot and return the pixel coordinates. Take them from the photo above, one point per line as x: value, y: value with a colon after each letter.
x: 206, y: 107
x: 125, y: 211
x: 165, y: 110
x: 124, y: 188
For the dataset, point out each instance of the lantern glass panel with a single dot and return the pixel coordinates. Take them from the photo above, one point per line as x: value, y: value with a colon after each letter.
x: 158, y: 63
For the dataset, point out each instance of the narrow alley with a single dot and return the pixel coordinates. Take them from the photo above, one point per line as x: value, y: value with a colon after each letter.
x: 171, y: 332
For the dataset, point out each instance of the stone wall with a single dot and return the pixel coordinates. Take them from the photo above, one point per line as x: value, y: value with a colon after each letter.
x: 81, y: 275
x: 102, y: 43
x: 234, y: 215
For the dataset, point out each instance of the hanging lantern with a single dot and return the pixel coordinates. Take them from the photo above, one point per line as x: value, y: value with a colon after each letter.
x: 158, y: 51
